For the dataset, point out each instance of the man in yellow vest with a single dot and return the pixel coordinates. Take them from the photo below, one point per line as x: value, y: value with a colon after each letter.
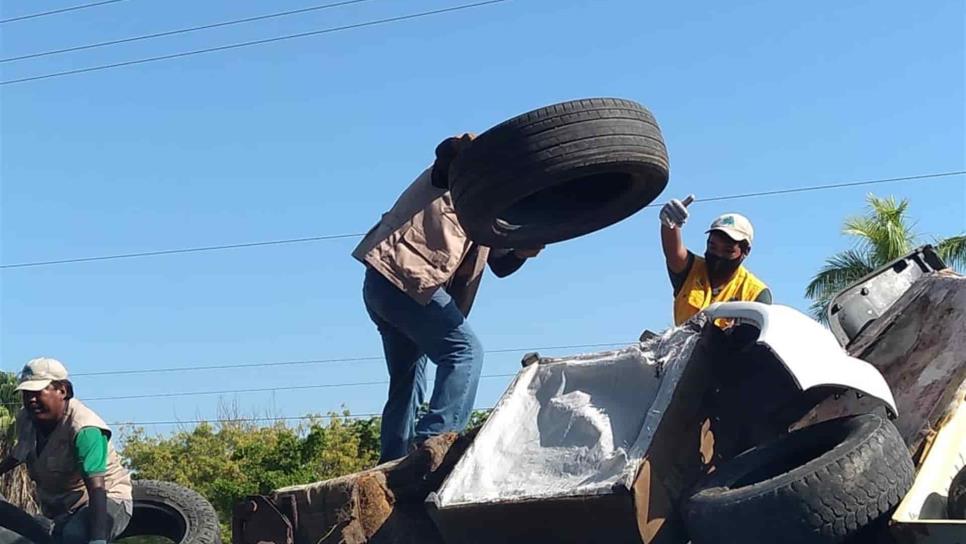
x: 719, y: 275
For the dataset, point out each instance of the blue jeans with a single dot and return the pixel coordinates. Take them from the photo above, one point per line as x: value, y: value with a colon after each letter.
x: 410, y: 333
x: 74, y: 529
x: 70, y: 528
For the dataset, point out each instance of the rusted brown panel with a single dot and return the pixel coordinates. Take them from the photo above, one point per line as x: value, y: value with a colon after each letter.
x: 602, y: 519
x: 380, y: 505
x: 681, y: 450
x: 658, y: 520
x: 257, y: 520
x: 920, y: 348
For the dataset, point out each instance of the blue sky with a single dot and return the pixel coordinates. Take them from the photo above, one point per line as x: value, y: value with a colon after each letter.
x: 319, y: 135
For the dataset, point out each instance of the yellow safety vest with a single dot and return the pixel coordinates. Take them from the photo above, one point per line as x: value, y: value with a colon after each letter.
x: 696, y: 295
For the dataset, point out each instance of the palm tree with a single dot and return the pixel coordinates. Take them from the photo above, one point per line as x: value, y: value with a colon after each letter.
x: 884, y: 234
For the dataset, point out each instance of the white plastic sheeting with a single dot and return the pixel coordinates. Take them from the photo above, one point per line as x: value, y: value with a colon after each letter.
x: 572, y: 426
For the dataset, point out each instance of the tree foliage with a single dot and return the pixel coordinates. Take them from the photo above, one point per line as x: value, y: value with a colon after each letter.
x: 9, y: 401
x: 15, y: 486
x: 882, y: 234
x: 228, y: 460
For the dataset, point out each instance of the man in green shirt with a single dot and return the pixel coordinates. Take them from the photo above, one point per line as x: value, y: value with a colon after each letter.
x: 82, y: 486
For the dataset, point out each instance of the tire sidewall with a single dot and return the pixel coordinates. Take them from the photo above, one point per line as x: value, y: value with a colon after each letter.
x: 854, y: 429
x: 197, y: 514
x: 503, y: 167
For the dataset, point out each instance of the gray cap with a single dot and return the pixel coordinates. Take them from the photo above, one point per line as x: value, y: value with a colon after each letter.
x: 38, y: 373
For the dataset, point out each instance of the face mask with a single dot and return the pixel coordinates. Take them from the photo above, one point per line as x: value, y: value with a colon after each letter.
x: 720, y: 268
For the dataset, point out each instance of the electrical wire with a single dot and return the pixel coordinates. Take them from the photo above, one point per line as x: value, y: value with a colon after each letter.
x: 778, y: 192
x: 143, y: 37
x: 254, y: 42
x: 57, y: 11
x: 321, y: 361
x: 263, y: 389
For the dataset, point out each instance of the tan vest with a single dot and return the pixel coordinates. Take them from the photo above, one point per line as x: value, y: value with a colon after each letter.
x: 60, y: 485
x: 419, y: 244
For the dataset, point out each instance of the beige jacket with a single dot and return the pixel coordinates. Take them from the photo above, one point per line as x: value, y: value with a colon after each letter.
x: 420, y: 246
x: 60, y: 485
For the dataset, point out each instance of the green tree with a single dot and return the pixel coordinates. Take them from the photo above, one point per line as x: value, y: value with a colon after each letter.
x: 15, y: 485
x: 883, y: 233
x: 227, y: 460
x: 9, y: 401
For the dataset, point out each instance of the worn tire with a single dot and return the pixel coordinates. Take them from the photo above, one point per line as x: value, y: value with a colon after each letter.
x: 956, y: 505
x: 172, y: 511
x: 559, y: 172
x: 821, y: 484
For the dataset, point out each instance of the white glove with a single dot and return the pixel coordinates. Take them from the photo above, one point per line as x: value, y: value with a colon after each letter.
x: 675, y: 213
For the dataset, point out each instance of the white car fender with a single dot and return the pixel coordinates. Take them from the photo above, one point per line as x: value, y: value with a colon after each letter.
x: 808, y: 350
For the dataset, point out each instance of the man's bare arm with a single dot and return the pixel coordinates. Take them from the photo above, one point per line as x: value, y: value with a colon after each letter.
x: 97, y: 493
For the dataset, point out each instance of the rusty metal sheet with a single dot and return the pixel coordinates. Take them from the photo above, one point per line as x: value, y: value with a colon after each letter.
x: 258, y: 520
x: 381, y: 505
x: 919, y: 346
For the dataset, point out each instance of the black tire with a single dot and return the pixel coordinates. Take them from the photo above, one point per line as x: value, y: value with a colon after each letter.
x: 23, y: 524
x: 956, y: 498
x: 174, y: 512
x: 559, y: 172
x: 822, y: 484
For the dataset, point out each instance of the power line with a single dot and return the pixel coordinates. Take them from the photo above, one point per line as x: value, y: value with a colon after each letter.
x: 256, y: 42
x: 321, y: 361
x: 291, y: 363
x: 288, y: 363
x: 242, y: 420
x: 831, y: 186
x: 182, y: 30
x: 921, y: 177
x: 304, y: 362
x: 184, y: 250
x: 264, y: 389
x: 250, y: 390
x: 56, y: 11
x: 257, y: 419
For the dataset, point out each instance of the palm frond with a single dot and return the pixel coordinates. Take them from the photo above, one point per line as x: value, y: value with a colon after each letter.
x: 884, y: 230
x: 953, y: 251
x: 839, y: 271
